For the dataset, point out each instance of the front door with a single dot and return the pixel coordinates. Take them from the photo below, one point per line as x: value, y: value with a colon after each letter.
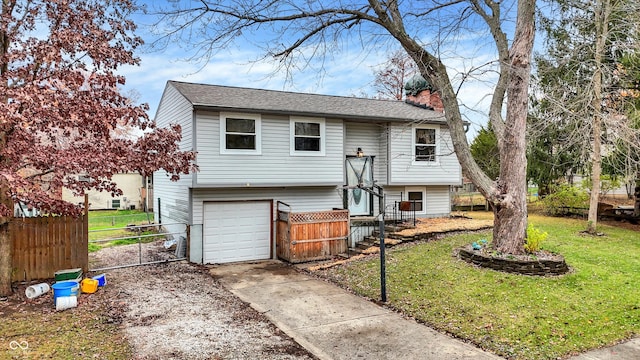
x: 358, y: 200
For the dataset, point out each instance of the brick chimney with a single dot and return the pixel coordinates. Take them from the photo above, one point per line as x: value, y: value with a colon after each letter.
x: 419, y: 92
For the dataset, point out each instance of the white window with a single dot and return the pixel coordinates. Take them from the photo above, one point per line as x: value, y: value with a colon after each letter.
x: 240, y: 134
x: 425, y: 144
x: 307, y: 136
x: 417, y: 197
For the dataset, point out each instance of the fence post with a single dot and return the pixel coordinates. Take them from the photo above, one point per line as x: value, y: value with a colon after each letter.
x: 188, y: 252
x: 159, y: 212
x: 140, y: 248
x: 85, y: 234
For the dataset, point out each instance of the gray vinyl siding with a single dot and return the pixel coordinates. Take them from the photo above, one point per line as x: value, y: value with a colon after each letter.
x: 275, y: 166
x: 392, y: 196
x: 300, y: 199
x: 438, y: 199
x: 404, y: 171
x: 371, y: 137
x: 174, y: 109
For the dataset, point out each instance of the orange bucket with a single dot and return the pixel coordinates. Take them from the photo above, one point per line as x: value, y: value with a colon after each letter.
x: 89, y: 286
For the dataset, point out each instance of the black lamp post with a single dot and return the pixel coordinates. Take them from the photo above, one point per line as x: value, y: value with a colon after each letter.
x: 363, y: 169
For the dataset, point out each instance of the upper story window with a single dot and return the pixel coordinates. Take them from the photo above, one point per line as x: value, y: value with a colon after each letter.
x: 240, y: 134
x: 307, y: 136
x: 425, y: 143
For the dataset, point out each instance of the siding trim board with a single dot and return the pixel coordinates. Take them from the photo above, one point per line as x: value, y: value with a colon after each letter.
x: 266, y: 185
x: 194, y: 141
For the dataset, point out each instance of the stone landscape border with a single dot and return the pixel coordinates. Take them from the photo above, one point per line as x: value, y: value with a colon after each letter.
x: 535, y: 267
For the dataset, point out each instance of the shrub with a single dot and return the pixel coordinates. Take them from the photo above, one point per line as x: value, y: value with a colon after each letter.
x: 535, y: 237
x: 607, y: 183
x: 567, y: 197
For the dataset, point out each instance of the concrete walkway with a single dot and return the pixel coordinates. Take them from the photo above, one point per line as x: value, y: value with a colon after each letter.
x: 629, y: 350
x: 331, y: 323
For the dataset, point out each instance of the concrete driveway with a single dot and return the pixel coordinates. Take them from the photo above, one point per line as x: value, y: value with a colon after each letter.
x: 332, y: 323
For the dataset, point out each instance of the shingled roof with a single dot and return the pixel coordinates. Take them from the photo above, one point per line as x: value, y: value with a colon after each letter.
x: 282, y: 102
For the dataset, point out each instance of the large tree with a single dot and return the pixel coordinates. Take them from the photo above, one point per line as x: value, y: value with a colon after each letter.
x: 426, y: 30
x: 61, y: 111
x: 582, y: 80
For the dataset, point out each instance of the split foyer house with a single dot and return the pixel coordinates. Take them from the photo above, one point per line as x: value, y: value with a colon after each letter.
x: 259, y: 147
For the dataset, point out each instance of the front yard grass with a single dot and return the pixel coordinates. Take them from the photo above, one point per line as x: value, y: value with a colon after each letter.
x: 521, y: 317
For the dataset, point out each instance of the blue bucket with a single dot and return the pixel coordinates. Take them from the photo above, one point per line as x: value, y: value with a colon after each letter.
x: 102, y: 279
x: 65, y: 288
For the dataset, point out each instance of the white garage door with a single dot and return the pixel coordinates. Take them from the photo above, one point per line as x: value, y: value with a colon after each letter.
x: 236, y: 231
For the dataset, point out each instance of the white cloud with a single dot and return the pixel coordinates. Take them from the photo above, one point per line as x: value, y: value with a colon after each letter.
x: 348, y: 73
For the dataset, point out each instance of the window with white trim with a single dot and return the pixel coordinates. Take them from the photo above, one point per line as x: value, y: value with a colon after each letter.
x: 417, y: 197
x: 307, y: 136
x: 240, y: 134
x: 425, y: 143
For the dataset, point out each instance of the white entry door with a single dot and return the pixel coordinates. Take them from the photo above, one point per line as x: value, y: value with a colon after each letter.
x: 236, y: 231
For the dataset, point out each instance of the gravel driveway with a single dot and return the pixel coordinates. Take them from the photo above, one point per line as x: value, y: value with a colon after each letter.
x: 178, y: 311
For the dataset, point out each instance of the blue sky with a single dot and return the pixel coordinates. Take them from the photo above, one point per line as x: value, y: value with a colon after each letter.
x: 349, y: 73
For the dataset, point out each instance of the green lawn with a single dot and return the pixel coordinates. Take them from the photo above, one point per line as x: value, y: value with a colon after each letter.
x: 521, y: 317
x: 105, y: 224
x: 103, y: 219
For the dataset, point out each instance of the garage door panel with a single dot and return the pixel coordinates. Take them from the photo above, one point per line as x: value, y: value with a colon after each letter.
x: 237, y: 231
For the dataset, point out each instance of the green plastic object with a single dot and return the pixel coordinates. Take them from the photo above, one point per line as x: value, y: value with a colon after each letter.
x: 67, y: 274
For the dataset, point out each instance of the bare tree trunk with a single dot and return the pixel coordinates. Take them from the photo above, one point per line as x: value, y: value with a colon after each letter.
x: 596, y: 171
x: 510, y: 226
x: 602, y: 12
x: 636, y: 193
x: 6, y: 245
x: 6, y: 254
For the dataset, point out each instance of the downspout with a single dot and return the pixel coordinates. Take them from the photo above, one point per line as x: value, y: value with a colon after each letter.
x: 388, y: 126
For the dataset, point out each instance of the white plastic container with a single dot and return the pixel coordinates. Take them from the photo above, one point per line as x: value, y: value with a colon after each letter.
x: 36, y: 290
x: 66, y: 302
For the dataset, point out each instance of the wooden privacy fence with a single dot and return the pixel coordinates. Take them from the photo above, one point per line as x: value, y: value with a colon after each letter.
x: 44, y: 245
x: 308, y: 236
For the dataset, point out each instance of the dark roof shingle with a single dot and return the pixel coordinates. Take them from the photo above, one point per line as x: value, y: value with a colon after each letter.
x: 283, y: 102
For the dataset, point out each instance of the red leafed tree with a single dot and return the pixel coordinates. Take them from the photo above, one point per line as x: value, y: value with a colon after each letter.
x: 61, y: 112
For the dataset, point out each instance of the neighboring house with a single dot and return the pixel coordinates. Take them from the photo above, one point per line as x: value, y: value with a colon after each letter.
x: 257, y: 147
x: 133, y: 187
